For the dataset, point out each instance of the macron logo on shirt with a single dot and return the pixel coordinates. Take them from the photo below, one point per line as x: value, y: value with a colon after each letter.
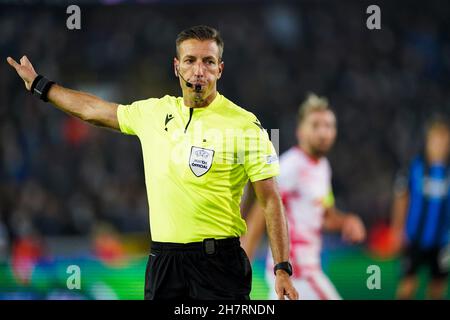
x: 168, y: 118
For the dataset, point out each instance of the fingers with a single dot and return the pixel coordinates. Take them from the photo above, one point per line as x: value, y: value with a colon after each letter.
x: 289, y: 291
x: 353, y: 230
x: 353, y: 235
x: 292, y: 293
x: 359, y: 233
x: 280, y: 294
x: 25, y: 62
x: 12, y: 63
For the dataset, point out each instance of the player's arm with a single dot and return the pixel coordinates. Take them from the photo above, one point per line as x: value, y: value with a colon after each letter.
x: 399, y: 208
x: 79, y: 104
x: 401, y: 200
x: 398, y: 218
x: 268, y: 197
x: 256, y: 225
x: 349, y: 224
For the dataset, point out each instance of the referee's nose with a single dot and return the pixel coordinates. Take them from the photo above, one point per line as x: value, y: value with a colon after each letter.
x: 199, y: 71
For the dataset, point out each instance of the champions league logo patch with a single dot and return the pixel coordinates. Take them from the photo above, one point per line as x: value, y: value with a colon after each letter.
x: 200, y: 160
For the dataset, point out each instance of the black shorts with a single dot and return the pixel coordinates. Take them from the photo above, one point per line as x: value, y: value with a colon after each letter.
x: 414, y: 257
x: 208, y: 270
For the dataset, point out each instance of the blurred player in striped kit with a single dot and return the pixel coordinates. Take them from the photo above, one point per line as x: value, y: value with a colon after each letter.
x: 421, y: 213
x: 305, y: 187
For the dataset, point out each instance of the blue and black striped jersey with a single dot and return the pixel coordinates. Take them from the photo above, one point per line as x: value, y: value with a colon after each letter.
x: 428, y: 219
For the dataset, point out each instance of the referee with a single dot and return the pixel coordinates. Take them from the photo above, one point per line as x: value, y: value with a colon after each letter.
x: 199, y: 151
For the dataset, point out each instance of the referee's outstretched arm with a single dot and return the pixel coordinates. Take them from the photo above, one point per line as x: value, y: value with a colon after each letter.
x: 79, y: 104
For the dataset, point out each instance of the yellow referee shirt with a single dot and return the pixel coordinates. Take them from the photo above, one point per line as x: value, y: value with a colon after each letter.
x: 197, y: 162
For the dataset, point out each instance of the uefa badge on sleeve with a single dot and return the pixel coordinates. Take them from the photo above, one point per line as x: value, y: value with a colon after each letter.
x: 200, y: 160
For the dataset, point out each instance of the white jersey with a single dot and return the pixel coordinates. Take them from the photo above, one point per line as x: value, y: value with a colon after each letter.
x: 305, y: 188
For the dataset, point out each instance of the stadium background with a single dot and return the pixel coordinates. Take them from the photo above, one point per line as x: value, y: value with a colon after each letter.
x: 74, y: 194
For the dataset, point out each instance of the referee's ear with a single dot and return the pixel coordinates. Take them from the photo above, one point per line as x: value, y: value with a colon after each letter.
x: 175, y: 66
x: 221, y: 67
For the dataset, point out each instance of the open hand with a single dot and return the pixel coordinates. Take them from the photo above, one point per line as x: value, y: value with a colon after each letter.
x: 25, y: 70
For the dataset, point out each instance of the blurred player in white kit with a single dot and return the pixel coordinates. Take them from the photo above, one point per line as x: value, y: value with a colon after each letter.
x: 306, y: 192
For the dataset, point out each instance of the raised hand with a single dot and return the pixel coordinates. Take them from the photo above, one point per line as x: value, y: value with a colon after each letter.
x: 25, y: 70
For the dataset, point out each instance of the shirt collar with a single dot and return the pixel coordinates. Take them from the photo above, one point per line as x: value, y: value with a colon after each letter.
x: 213, y: 105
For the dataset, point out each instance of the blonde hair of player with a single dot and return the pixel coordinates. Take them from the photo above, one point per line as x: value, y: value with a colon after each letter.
x: 312, y: 103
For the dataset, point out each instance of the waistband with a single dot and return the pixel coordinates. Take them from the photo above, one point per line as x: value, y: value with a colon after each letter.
x: 196, y: 246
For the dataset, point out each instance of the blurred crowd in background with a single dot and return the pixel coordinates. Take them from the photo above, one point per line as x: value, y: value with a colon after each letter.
x: 59, y: 176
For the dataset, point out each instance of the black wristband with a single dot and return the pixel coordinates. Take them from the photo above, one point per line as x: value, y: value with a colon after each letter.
x: 285, y: 265
x: 40, y: 87
x: 33, y: 85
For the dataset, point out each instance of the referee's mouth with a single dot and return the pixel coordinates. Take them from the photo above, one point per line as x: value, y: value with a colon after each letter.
x: 201, y: 83
x: 198, y: 86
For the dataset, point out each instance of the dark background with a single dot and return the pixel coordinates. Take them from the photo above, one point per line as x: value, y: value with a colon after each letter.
x: 59, y: 176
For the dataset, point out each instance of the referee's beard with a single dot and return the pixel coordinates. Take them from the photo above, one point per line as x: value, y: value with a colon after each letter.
x: 200, y: 99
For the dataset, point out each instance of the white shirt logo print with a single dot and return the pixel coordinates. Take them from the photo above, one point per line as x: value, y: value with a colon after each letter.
x: 200, y: 160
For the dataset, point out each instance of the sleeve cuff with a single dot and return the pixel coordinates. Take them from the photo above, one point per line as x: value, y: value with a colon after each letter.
x: 120, y: 119
x: 263, y: 176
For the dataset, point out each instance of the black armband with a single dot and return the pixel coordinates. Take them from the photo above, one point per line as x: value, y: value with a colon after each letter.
x: 40, y: 87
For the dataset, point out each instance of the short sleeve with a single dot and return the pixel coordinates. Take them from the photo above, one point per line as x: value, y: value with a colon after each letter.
x: 131, y: 117
x: 261, y: 160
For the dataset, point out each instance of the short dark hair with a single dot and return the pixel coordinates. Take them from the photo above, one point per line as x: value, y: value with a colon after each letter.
x: 201, y: 33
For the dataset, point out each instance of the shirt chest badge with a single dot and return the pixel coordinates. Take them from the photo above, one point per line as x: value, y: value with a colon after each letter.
x: 200, y: 160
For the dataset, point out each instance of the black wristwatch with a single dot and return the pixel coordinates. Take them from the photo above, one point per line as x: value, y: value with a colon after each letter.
x: 285, y: 265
